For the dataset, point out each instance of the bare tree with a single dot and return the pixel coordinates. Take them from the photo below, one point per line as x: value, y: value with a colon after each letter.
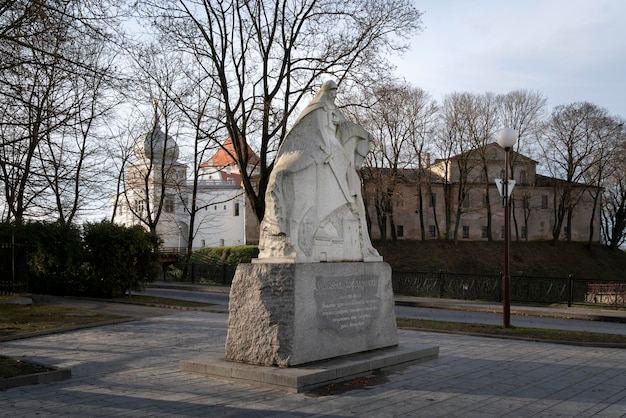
x: 479, y: 116
x: 155, y: 170
x: 457, y: 161
x: 53, y: 60
x: 614, y: 197
x: 446, y: 140
x: 523, y: 111
x: 568, y: 142
x: 397, y: 118
x: 265, y: 57
x: 196, y: 107
x: 422, y: 125
x: 119, y: 154
x: 69, y: 158
x: 607, y: 134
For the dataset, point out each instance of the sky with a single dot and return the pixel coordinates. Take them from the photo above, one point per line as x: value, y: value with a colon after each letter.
x: 568, y: 50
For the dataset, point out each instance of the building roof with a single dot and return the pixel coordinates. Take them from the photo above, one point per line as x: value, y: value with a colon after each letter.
x: 475, y: 153
x: 545, y: 181
x: 402, y: 174
x: 224, y: 156
x: 156, y: 145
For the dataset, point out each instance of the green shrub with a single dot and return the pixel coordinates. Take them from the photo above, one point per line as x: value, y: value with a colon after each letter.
x: 55, y: 257
x: 225, y: 255
x: 119, y: 259
x: 102, y: 260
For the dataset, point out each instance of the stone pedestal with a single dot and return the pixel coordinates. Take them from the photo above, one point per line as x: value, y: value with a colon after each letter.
x: 288, y: 314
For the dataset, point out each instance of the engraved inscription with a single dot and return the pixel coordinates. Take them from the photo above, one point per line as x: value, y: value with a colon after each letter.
x: 346, y: 304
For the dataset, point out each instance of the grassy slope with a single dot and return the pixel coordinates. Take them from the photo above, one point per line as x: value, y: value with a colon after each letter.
x: 531, y: 258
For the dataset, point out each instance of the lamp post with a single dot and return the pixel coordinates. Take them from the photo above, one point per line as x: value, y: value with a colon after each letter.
x: 507, y: 137
x: 180, y: 238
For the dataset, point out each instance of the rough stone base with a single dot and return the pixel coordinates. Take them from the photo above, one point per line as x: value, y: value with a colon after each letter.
x: 287, y: 314
x: 311, y: 376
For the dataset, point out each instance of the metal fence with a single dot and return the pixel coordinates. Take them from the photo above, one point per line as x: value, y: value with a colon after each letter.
x: 525, y: 289
x: 13, y: 268
x: 441, y: 284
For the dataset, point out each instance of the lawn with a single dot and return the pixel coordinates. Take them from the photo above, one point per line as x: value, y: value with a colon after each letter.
x: 25, y: 319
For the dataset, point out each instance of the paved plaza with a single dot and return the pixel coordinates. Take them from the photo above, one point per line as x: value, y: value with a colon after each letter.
x: 132, y: 369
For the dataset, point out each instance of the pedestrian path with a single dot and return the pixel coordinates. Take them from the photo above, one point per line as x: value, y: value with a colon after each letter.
x: 132, y: 370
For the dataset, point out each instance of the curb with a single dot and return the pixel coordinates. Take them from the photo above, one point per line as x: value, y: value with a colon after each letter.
x: 53, y: 375
x: 66, y: 329
x: 513, y: 337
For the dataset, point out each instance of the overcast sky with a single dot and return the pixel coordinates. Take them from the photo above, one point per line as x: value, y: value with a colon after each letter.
x: 569, y: 50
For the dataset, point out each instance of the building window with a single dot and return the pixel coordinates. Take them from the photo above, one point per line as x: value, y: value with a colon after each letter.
x: 236, y: 209
x: 524, y: 232
x: 432, y: 232
x: 466, y: 201
x: 399, y: 231
x: 432, y: 200
x: 203, y: 242
x: 138, y: 206
x: 526, y: 202
x: 466, y: 232
x: 484, y: 232
x: 522, y: 177
x: 485, y: 200
x: 168, y: 205
x: 544, y: 201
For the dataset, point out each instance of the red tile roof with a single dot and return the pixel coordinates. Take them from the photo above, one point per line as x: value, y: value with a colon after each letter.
x: 222, y: 157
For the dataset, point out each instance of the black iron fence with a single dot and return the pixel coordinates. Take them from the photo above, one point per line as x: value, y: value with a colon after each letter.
x: 441, y: 284
x: 13, y: 268
x: 525, y: 289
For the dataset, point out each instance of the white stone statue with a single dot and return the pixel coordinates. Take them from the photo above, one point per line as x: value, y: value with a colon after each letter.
x: 314, y: 208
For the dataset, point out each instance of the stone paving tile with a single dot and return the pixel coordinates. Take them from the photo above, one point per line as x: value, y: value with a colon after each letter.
x: 131, y: 370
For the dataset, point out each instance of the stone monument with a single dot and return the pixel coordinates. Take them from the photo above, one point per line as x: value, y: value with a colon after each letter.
x: 318, y: 289
x: 317, y: 305
x: 314, y: 209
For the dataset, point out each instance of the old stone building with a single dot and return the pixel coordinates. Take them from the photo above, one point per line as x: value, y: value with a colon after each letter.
x: 458, y: 196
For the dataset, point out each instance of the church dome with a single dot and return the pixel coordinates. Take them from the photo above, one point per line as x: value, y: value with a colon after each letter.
x: 155, y: 146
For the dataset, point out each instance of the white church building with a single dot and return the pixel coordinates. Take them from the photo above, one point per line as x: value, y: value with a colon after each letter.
x: 156, y: 181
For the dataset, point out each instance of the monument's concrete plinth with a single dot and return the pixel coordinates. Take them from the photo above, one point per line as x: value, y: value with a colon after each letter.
x: 287, y: 314
x: 314, y: 375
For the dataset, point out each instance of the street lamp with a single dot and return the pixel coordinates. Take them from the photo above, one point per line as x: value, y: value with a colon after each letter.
x: 507, y: 137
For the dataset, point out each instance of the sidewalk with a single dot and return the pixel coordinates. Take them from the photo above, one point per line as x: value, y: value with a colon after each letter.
x: 132, y: 369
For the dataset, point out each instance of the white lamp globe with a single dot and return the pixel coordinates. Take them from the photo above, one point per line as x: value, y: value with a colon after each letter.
x: 507, y: 137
